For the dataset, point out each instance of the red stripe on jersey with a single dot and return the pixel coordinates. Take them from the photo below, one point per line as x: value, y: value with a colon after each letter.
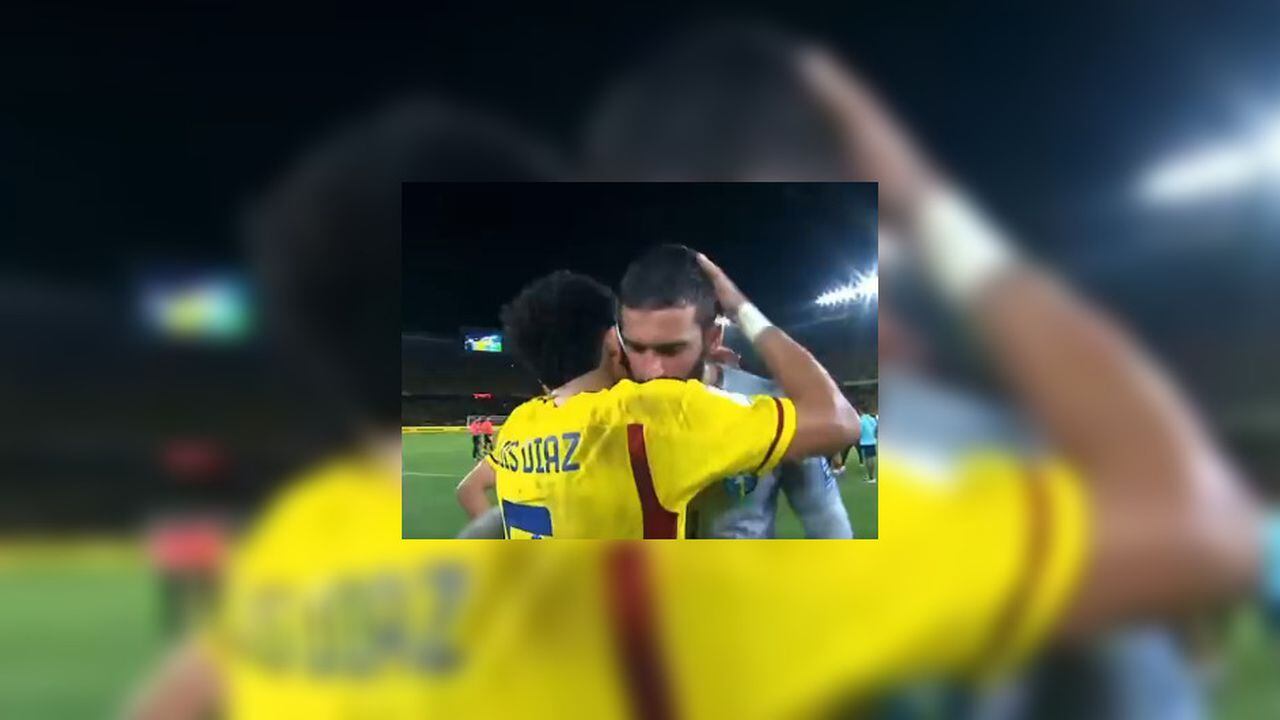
x: 636, y: 629
x: 658, y: 521
x: 777, y: 435
x: 1039, y: 532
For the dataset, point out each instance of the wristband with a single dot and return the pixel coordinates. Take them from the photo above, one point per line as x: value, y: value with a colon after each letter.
x: 962, y: 250
x: 752, y: 321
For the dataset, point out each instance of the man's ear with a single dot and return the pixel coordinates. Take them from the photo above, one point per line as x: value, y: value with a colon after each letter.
x: 611, y: 355
x: 611, y: 345
x: 714, y: 337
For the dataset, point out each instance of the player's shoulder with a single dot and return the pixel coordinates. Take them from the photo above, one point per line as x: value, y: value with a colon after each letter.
x: 657, y: 390
x: 526, y: 411
x: 310, y: 501
x: 668, y: 395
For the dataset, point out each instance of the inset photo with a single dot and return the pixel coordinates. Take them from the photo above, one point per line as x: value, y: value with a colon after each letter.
x: 649, y: 360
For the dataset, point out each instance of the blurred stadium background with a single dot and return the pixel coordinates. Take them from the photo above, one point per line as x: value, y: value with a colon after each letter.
x: 131, y: 137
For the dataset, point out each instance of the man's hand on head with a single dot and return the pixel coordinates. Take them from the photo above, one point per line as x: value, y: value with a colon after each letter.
x: 725, y: 356
x: 727, y: 293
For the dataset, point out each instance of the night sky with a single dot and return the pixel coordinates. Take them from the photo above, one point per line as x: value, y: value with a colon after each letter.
x: 147, y: 130
x: 468, y: 248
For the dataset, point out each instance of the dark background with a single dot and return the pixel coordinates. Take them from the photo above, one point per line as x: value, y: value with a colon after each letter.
x: 131, y: 138
x: 468, y: 248
x: 144, y: 130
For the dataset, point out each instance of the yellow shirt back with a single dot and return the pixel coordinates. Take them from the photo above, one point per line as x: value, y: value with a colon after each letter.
x: 625, y: 462
x: 327, y: 613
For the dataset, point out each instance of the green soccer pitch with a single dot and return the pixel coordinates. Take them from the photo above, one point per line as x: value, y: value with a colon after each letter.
x: 435, y: 462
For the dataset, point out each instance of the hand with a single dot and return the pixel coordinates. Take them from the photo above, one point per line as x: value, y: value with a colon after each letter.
x: 730, y: 297
x: 725, y: 356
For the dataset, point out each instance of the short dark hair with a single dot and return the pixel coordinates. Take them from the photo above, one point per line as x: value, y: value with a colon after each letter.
x: 669, y: 276
x: 555, y: 325
x: 325, y: 243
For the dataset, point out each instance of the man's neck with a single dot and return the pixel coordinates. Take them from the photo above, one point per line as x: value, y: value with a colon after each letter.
x: 597, y: 379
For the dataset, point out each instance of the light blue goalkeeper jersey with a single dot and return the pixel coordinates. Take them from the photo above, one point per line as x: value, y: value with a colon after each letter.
x: 746, y: 506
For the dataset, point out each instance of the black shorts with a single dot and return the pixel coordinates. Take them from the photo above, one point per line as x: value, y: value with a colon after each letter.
x: 866, y: 451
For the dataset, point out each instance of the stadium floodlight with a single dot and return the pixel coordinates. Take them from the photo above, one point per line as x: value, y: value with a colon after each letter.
x: 1216, y: 170
x: 865, y: 287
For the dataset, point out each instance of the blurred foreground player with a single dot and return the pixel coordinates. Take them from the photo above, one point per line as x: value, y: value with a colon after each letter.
x: 326, y: 612
x: 754, y: 105
x: 652, y: 630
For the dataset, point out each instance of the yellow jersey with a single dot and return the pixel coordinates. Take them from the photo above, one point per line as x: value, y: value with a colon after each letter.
x: 327, y: 613
x: 625, y: 462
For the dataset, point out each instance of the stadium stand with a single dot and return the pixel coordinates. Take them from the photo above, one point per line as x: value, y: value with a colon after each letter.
x: 440, y: 381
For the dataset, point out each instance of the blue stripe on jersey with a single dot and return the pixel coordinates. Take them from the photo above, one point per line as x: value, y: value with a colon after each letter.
x: 529, y: 518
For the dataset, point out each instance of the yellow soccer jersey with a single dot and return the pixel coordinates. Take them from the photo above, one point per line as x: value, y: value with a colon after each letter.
x: 327, y: 613
x: 973, y: 569
x: 624, y: 462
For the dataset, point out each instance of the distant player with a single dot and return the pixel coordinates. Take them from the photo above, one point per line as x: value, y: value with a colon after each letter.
x: 486, y: 435
x: 667, y: 328
x: 867, y: 442
x: 477, y: 439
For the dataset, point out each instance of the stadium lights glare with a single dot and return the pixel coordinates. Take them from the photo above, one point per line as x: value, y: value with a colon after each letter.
x: 1215, y: 170
x: 864, y: 287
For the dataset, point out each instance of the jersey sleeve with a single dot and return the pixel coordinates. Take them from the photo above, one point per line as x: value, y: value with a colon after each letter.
x: 695, y: 434
x: 992, y: 548
x: 972, y: 571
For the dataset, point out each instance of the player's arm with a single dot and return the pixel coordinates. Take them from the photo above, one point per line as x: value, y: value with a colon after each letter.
x: 186, y: 686
x: 484, y: 527
x: 472, y: 491
x: 825, y: 421
x: 1172, y: 526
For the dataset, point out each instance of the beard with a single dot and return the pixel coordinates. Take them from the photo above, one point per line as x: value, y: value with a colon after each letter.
x: 697, y: 372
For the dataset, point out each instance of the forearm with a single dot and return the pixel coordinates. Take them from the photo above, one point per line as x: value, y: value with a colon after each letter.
x: 187, y: 685
x: 825, y: 421
x: 472, y: 492
x: 1174, y: 526
x: 1091, y: 389
x: 801, y: 377
x: 473, y: 500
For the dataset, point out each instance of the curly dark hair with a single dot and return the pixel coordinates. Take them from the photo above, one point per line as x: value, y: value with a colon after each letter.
x: 556, y: 323
x: 669, y: 276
